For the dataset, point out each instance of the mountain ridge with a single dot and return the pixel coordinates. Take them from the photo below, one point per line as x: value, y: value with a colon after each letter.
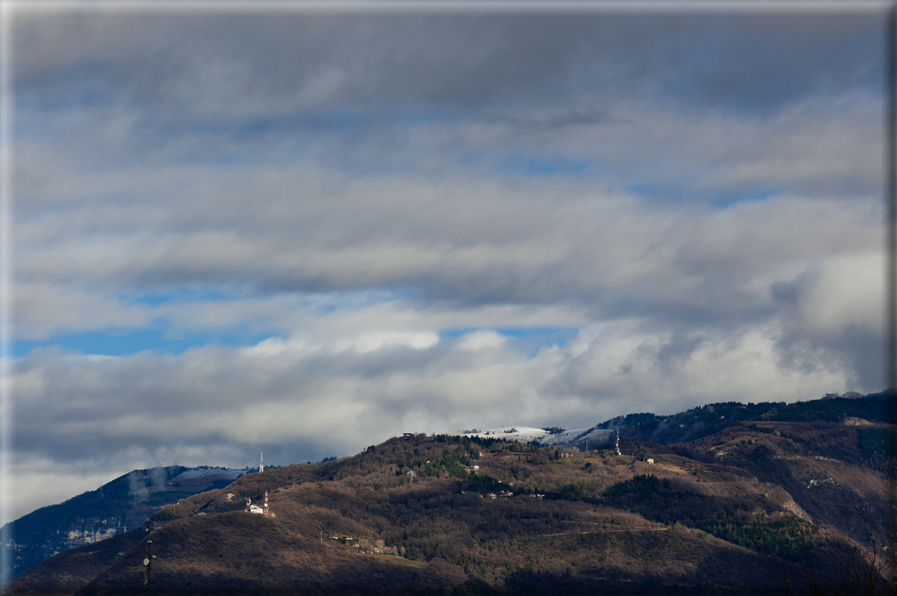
x: 460, y: 514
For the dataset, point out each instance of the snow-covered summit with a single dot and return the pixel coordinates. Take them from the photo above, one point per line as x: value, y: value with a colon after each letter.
x: 511, y: 433
x: 541, y: 436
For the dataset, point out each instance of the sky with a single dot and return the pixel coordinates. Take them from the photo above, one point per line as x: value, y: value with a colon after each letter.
x: 305, y: 231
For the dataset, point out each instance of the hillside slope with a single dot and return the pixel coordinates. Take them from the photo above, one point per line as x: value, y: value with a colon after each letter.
x: 449, y: 514
x: 370, y: 511
x: 364, y: 524
x: 116, y: 507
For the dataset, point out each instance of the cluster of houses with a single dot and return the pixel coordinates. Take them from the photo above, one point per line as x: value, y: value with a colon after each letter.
x: 504, y: 494
x: 347, y: 540
x: 377, y: 548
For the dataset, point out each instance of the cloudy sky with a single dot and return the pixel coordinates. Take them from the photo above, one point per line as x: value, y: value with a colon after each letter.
x: 303, y: 232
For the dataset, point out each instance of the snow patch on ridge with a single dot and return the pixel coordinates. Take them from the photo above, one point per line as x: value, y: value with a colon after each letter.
x: 541, y: 437
x: 511, y: 433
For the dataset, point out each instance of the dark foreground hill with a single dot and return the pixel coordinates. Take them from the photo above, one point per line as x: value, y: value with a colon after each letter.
x: 710, y: 515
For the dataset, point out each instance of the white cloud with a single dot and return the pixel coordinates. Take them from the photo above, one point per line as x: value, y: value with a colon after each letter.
x: 849, y: 292
x: 45, y: 309
x: 282, y: 395
x: 479, y: 340
x: 371, y: 342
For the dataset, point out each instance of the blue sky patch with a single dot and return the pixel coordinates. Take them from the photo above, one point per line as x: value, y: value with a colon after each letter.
x: 124, y: 342
x: 181, y: 296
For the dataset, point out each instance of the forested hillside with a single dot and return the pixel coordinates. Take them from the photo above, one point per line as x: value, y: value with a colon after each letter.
x: 459, y: 515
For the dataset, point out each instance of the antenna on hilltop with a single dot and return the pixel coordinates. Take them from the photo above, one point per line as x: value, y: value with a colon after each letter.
x: 618, y: 442
x: 262, y: 463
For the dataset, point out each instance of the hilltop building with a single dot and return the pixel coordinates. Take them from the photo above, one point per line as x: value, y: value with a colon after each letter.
x: 250, y: 508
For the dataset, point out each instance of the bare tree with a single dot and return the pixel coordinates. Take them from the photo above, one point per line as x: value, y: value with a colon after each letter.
x: 839, y: 568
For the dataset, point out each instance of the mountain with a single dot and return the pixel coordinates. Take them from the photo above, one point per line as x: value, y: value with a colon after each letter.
x: 684, y: 426
x: 486, y: 515
x: 116, y: 507
x: 697, y: 422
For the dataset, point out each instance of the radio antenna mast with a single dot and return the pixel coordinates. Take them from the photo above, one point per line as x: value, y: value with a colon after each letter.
x: 148, y: 564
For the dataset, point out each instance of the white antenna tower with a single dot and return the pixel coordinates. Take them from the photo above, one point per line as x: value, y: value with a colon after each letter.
x: 618, y: 442
x: 262, y: 463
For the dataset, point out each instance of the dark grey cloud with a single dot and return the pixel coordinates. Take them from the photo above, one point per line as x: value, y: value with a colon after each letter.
x: 793, y: 291
x: 453, y: 242
x: 415, y: 93
x: 206, y: 66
